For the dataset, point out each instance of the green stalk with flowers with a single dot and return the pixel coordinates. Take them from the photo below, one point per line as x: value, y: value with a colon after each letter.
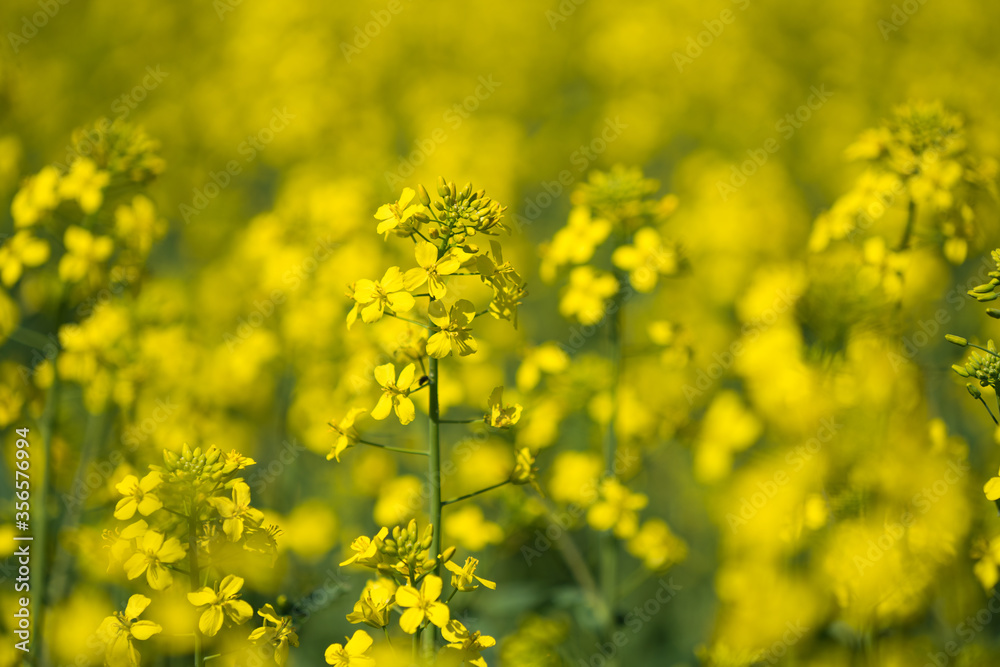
x: 409, y: 562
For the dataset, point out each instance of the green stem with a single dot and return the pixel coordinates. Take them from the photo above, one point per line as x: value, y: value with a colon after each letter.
x: 608, y: 543
x: 38, y: 578
x: 476, y: 493
x: 194, y: 572
x: 406, y: 319
x: 990, y: 411
x: 911, y: 218
x: 393, y: 449
x: 434, y: 474
x: 460, y: 421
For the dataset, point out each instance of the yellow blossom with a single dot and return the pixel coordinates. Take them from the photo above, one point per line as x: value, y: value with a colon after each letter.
x: 395, y: 393
x: 366, y: 550
x: 501, y: 416
x: 646, y: 259
x: 351, y: 654
x: 375, y: 604
x: 657, y: 546
x: 464, y: 645
x: 138, y: 496
x: 422, y: 604
x: 432, y: 270
x: 84, y: 253
x: 454, y: 334
x: 153, y: 554
x: 617, y: 508
x: 464, y: 578
x: 586, y: 293
x: 276, y: 636
x: 393, y: 216
x: 37, y: 196
x: 237, y: 511
x: 373, y: 297
x: 20, y: 251
x: 347, y: 435
x: 120, y: 631
x: 84, y: 183
x: 223, y: 603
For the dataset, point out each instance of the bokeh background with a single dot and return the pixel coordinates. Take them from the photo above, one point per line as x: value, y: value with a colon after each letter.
x: 327, y: 122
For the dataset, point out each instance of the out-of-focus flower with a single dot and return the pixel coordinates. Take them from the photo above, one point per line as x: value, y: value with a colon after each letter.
x: 120, y: 631
x: 138, y: 496
x: 20, y: 251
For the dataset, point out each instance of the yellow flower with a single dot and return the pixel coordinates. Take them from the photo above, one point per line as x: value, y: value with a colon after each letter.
x: 465, y: 645
x: 347, y: 435
x: 119, y: 631
x: 992, y: 488
x: 454, y: 334
x: 237, y: 511
x: 153, y: 553
x: 277, y: 637
x: 574, y: 243
x: 395, y: 393
x: 523, y: 472
x: 617, y: 508
x: 471, y: 529
x: 422, y: 604
x: 464, y: 578
x: 375, y: 604
x: 366, y: 551
x: 137, y: 496
x: 19, y: 251
x: 373, y: 297
x: 37, y: 196
x: 138, y: 224
x: 586, y: 293
x: 84, y: 183
x: 84, y: 252
x: 501, y: 416
x: 222, y: 603
x: 352, y: 653
x: 657, y: 546
x: 646, y: 259
x: 432, y: 269
x: 391, y: 216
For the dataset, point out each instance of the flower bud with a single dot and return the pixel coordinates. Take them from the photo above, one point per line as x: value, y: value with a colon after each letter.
x: 957, y: 340
x: 974, y: 390
x: 422, y: 195
x: 960, y: 370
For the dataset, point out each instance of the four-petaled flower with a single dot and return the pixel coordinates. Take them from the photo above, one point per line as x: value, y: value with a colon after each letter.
x: 422, y: 604
x: 138, y: 496
x: 347, y: 435
x: 501, y: 416
x: 278, y: 636
x: 237, y: 511
x: 120, y: 630
x: 153, y: 554
x: 992, y: 488
x: 222, y: 603
x: 84, y: 183
x: 524, y: 471
x: 646, y: 259
x: 617, y: 508
x: 464, y: 578
x: 453, y: 334
x: 432, y: 268
x: 19, y: 251
x: 351, y: 654
x: 465, y: 645
x: 392, y: 216
x: 373, y: 297
x: 84, y: 253
x: 586, y: 293
x: 375, y: 603
x: 366, y: 550
x: 395, y: 393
